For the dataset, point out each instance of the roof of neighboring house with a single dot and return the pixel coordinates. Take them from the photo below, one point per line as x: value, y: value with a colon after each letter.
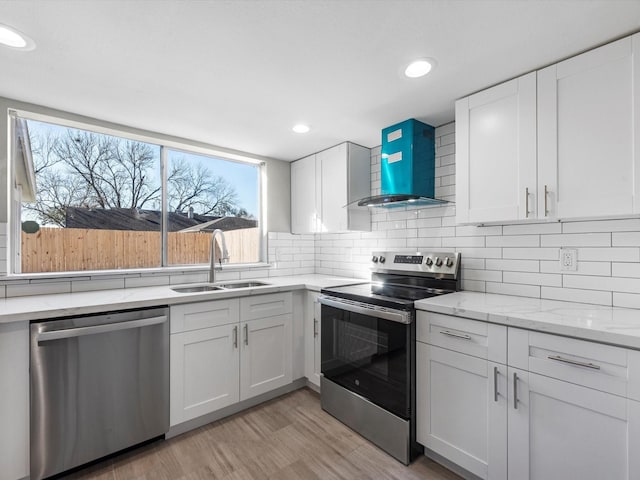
x: 25, y: 173
x: 149, y: 220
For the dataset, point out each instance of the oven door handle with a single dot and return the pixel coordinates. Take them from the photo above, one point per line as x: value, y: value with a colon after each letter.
x: 364, y: 309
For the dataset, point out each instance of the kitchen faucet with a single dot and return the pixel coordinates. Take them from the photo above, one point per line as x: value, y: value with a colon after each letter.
x: 212, y: 257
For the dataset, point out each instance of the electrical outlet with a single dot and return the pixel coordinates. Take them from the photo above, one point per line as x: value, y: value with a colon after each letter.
x: 568, y: 259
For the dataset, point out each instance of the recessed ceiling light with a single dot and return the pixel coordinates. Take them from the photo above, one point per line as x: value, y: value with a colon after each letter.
x: 419, y: 68
x: 10, y: 37
x: 301, y: 128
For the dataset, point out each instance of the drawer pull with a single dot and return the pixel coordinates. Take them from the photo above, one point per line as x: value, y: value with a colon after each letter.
x: 515, y: 390
x: 235, y: 337
x: 495, y: 384
x: 558, y: 358
x: 457, y: 335
x: 315, y: 328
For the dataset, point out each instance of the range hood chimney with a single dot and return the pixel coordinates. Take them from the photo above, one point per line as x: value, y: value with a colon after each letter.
x: 407, y: 170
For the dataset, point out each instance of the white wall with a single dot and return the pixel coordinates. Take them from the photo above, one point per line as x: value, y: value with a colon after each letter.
x: 511, y: 259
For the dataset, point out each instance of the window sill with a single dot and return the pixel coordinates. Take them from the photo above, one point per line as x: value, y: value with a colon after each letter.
x: 125, y: 273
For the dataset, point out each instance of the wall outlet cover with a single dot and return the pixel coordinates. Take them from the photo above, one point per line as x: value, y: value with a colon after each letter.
x: 568, y: 259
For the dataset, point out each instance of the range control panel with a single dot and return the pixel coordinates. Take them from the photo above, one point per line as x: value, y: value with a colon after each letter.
x: 428, y: 263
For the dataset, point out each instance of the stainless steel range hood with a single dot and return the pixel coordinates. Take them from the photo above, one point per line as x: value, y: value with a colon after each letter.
x: 407, y: 170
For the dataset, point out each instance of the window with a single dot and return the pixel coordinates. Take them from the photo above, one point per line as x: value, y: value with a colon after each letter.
x: 97, y: 201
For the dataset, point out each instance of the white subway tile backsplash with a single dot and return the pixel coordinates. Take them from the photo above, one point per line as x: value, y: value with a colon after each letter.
x: 576, y: 240
x: 473, y: 285
x: 21, y: 290
x: 512, y: 265
x: 617, y: 254
x: 513, y: 289
x: 486, y: 275
x: 577, y: 295
x: 627, y: 300
x: 548, y: 279
x: 624, y: 270
x: 514, y: 241
x: 424, y: 222
x: 532, y: 229
x: 625, y: 239
x: 452, y: 242
x: 472, y: 230
x: 584, y: 268
x: 531, y: 253
x: 93, y: 285
x: 624, y: 225
x: 479, y: 252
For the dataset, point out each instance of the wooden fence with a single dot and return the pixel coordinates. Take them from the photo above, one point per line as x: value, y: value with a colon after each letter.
x: 79, y: 249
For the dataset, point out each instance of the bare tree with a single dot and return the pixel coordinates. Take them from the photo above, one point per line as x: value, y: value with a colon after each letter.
x: 84, y: 169
x: 193, y: 186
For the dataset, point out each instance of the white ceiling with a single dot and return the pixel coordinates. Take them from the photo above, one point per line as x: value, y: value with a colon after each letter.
x: 239, y: 74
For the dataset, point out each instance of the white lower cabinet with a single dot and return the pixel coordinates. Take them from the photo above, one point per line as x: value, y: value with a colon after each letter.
x: 14, y: 400
x: 265, y: 361
x: 312, y: 338
x: 226, y: 351
x: 559, y: 430
x: 570, y: 411
x: 204, y: 371
x: 465, y: 419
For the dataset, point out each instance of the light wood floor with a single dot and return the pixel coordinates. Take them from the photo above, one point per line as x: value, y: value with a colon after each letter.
x: 287, y: 438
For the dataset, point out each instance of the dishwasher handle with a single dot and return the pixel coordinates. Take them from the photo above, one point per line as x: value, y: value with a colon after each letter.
x: 109, y: 327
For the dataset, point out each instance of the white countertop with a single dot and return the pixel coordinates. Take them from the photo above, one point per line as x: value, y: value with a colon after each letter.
x: 64, y: 304
x: 614, y: 325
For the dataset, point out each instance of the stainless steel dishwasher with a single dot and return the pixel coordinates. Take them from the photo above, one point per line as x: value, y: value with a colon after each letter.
x: 99, y: 384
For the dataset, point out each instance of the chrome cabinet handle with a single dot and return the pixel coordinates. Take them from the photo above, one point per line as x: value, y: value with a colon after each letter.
x: 546, y: 207
x: 526, y: 202
x: 246, y: 334
x: 235, y: 337
x: 515, y: 390
x: 495, y: 384
x: 457, y: 335
x: 315, y: 327
x: 558, y: 358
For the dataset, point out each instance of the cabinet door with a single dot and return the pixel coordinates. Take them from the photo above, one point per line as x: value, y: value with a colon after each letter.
x: 496, y: 153
x: 204, y: 371
x: 461, y: 410
x: 14, y: 400
x: 333, y: 164
x: 561, y: 430
x: 588, y: 144
x: 265, y: 362
x: 305, y: 195
x: 312, y: 338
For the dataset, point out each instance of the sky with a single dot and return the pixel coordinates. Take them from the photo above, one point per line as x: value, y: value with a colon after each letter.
x: 244, y: 177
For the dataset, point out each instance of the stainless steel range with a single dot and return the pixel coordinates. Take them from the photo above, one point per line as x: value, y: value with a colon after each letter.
x: 368, y: 346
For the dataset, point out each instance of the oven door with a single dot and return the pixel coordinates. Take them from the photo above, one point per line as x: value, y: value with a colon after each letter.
x: 368, y: 354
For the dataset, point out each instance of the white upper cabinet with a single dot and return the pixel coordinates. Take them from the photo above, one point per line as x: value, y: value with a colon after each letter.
x: 588, y: 132
x: 323, y: 187
x: 496, y: 153
x: 305, y: 195
x: 560, y: 143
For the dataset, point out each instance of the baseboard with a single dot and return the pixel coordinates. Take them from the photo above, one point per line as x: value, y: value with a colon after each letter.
x: 233, y: 409
x: 458, y: 470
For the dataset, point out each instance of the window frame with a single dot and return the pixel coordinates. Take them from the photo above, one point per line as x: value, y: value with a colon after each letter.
x: 164, y: 143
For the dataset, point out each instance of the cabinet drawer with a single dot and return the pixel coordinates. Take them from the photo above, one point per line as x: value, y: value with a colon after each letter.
x: 479, y: 339
x: 194, y: 316
x: 602, y: 367
x: 262, y: 306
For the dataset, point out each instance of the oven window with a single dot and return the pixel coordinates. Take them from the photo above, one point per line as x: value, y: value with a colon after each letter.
x: 368, y: 356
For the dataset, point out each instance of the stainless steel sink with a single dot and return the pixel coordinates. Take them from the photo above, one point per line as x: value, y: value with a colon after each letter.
x: 242, y: 284
x: 197, y: 288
